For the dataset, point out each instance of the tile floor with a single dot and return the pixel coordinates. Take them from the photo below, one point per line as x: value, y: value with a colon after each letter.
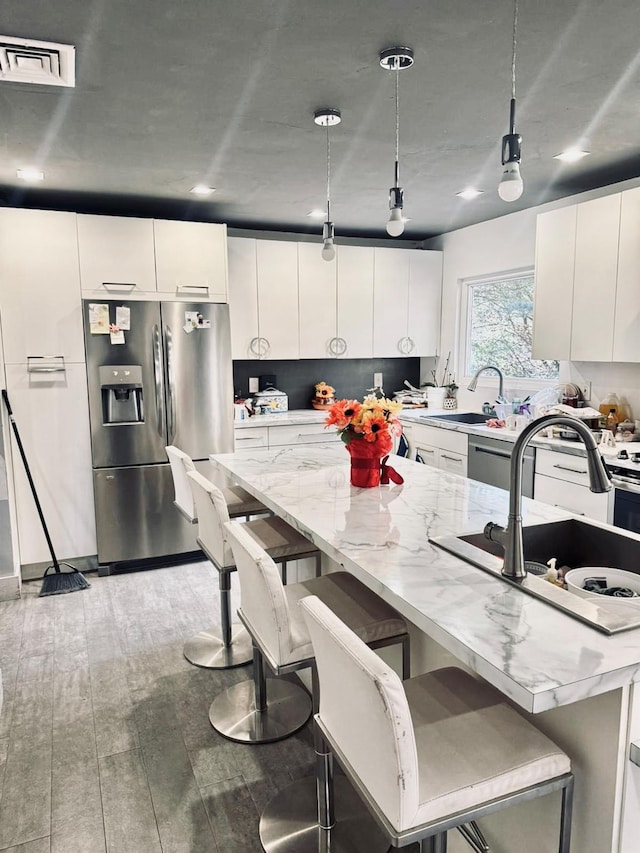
x: 105, y: 743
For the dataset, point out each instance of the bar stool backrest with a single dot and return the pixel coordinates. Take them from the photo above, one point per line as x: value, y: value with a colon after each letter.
x: 180, y: 464
x: 364, y: 707
x: 212, y: 514
x: 264, y: 603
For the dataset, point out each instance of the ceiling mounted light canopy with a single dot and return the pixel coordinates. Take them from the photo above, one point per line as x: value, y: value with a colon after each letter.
x: 510, y: 187
x: 396, y: 59
x: 328, y: 118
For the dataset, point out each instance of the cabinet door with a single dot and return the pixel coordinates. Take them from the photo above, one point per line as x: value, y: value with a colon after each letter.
x: 571, y: 496
x: 40, y: 285
x: 191, y: 259
x: 425, y: 287
x: 390, y: 301
x: 594, y: 289
x: 427, y: 454
x: 52, y: 414
x: 626, y: 336
x: 355, y: 299
x: 243, y: 296
x: 317, y: 299
x: 455, y: 463
x: 277, y: 265
x: 555, y: 267
x: 116, y: 255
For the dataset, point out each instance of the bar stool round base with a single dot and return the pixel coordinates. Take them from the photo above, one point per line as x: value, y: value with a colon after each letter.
x: 233, y: 713
x: 289, y: 823
x: 207, y: 650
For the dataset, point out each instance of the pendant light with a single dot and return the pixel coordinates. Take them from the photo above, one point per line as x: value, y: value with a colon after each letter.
x: 396, y: 59
x: 328, y: 118
x: 510, y: 187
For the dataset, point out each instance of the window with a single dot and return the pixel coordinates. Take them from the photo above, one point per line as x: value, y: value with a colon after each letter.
x: 500, y: 327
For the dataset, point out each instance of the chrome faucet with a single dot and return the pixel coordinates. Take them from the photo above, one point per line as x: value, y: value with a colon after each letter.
x: 511, y: 537
x: 474, y: 382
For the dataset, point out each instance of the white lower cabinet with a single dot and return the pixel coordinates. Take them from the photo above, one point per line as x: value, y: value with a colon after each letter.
x: 52, y: 415
x: 441, y: 448
x: 562, y: 480
x: 284, y: 435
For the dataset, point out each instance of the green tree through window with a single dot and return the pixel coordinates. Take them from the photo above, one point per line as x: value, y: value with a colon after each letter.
x: 500, y: 328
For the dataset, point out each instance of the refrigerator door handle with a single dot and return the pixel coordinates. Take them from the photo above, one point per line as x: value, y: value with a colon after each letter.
x: 171, y: 397
x: 158, y: 378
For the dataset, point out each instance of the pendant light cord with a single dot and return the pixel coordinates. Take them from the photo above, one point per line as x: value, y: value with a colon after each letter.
x: 328, y: 173
x: 513, y: 52
x: 397, y: 166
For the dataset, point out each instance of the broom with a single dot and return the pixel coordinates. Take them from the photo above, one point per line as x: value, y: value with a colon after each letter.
x: 60, y: 581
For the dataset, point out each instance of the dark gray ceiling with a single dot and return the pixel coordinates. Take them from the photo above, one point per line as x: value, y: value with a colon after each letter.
x: 173, y: 92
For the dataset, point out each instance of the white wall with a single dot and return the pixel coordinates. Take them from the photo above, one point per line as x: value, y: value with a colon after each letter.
x: 502, y: 245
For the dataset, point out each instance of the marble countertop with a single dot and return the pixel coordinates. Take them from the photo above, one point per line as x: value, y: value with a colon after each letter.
x: 535, y: 654
x: 575, y: 448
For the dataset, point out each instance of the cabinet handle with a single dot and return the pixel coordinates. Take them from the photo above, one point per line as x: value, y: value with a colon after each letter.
x: 260, y: 347
x: 568, y: 509
x: 119, y: 286
x: 45, y: 364
x: 192, y: 288
x: 572, y: 470
x: 406, y: 345
x: 452, y: 458
x: 425, y: 450
x: 337, y: 346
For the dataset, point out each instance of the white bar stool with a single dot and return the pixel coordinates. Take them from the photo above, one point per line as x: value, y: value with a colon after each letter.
x: 262, y: 709
x: 206, y: 649
x: 278, y: 538
x: 449, y: 748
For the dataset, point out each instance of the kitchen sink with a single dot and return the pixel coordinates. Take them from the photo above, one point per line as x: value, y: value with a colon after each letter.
x: 459, y: 418
x: 574, y: 543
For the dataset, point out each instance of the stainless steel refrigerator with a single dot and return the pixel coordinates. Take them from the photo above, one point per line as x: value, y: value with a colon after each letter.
x: 159, y: 373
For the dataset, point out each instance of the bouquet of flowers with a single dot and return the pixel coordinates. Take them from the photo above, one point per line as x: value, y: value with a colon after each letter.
x: 367, y: 429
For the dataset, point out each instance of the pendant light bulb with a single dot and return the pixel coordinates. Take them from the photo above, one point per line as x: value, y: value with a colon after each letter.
x: 511, y: 186
x: 328, y: 252
x: 395, y: 225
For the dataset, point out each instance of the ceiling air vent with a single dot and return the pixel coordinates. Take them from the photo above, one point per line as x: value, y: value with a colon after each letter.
x: 28, y: 61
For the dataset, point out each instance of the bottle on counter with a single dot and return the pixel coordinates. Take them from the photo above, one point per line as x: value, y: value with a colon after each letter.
x: 612, y: 420
x: 609, y: 403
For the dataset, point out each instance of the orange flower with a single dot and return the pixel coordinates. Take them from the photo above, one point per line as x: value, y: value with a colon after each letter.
x: 373, y: 424
x: 343, y: 412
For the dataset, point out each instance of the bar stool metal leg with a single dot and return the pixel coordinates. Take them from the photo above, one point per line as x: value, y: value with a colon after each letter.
x: 260, y: 710
x: 435, y: 844
x: 212, y: 652
x: 311, y: 817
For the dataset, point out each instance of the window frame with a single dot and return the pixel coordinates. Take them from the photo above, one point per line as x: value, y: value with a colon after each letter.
x: 464, y: 333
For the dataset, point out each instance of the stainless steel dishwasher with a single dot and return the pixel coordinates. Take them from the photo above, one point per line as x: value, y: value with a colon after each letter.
x: 490, y: 462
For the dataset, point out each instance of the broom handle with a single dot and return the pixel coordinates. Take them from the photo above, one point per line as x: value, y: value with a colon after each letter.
x: 30, y: 479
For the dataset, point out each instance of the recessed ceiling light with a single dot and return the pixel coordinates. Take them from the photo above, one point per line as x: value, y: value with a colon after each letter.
x: 202, y: 189
x: 469, y: 193
x: 316, y: 213
x: 30, y: 174
x: 571, y: 155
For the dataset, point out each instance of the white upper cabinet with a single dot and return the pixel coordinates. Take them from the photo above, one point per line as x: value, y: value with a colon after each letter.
x: 354, y: 303
x: 277, y: 268
x: 191, y: 259
x: 555, y: 267
x: 40, y: 303
x: 407, y: 292
x: 263, y: 298
x: 594, y: 289
x: 626, y: 341
x: 425, y: 294
x: 243, y: 297
x: 122, y: 255
x: 317, y: 286
x: 117, y: 255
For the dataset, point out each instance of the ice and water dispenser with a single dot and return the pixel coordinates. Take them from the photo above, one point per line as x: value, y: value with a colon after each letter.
x: 121, y: 390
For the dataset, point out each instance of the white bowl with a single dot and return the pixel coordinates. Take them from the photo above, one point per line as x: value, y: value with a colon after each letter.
x: 575, y: 579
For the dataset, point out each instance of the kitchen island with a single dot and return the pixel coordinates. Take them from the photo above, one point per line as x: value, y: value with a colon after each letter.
x: 578, y: 683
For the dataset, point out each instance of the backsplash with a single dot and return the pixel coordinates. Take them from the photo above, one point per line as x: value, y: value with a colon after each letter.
x: 351, y: 377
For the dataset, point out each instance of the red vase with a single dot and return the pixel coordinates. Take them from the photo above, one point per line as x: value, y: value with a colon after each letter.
x: 368, y: 464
